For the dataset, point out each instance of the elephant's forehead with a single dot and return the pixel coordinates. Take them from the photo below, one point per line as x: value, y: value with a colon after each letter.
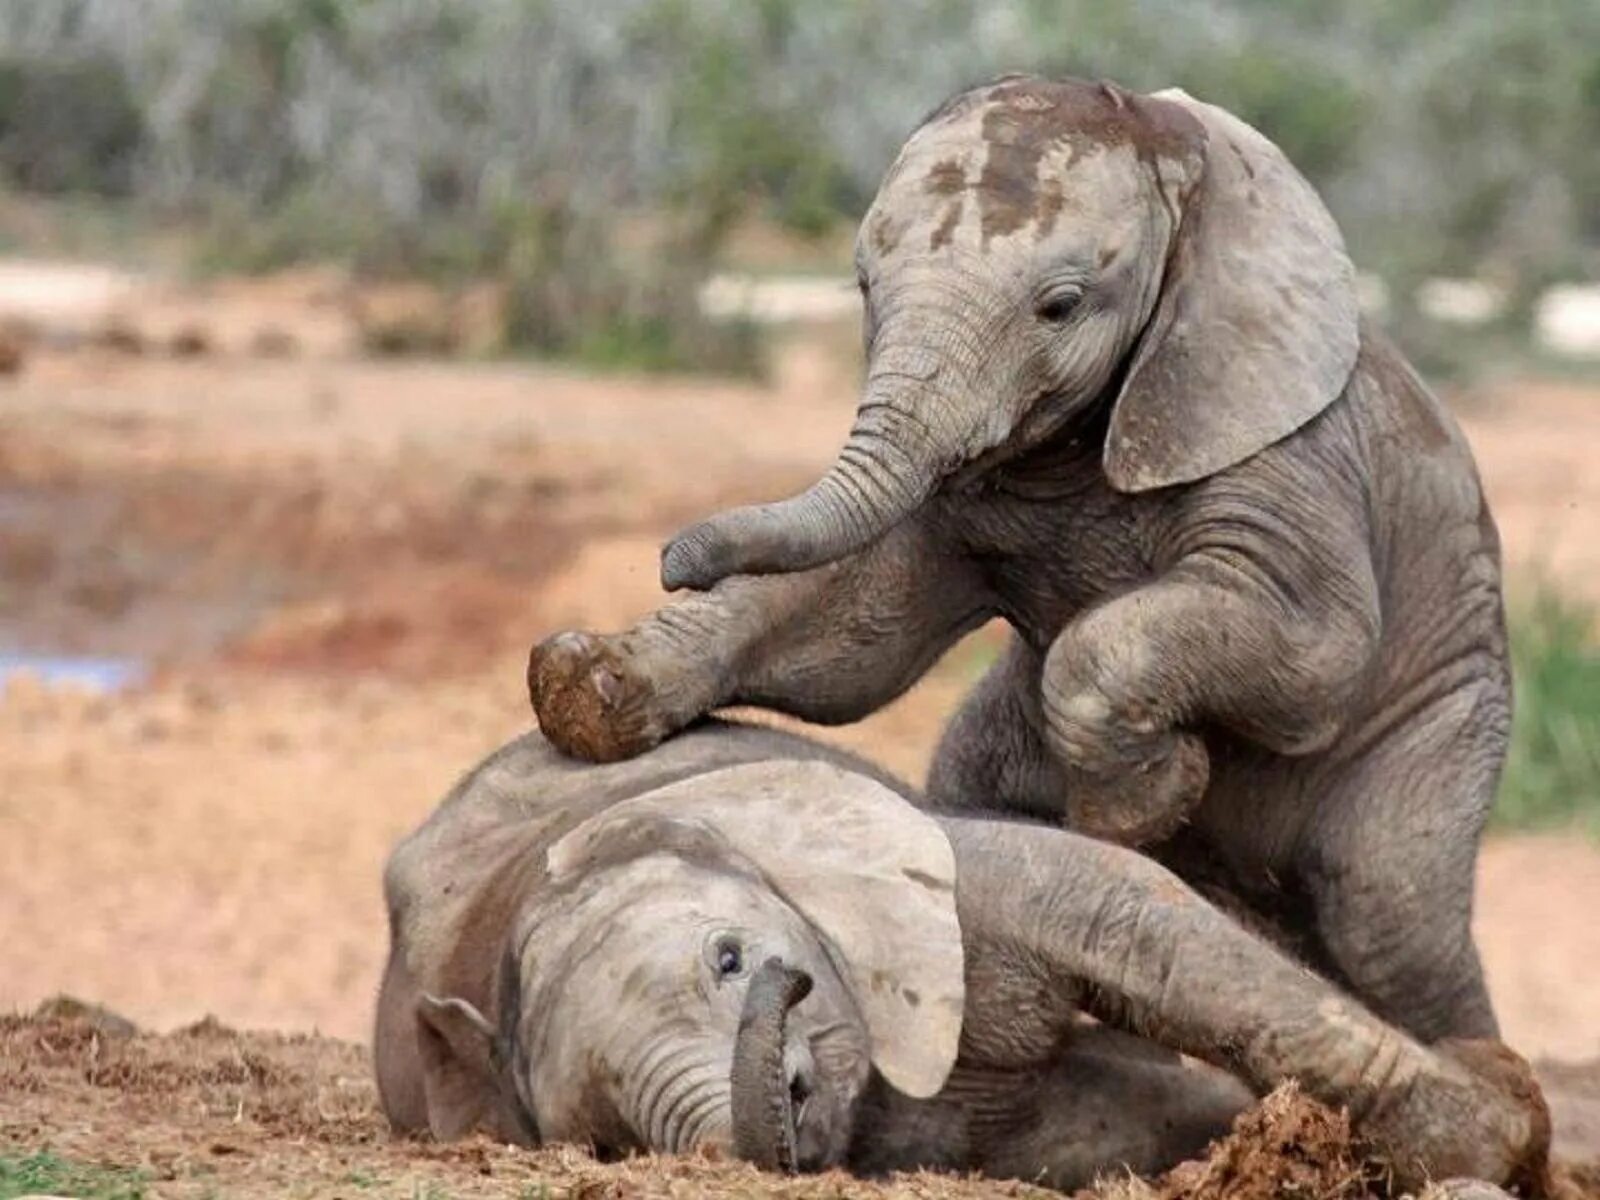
x: 1024, y: 158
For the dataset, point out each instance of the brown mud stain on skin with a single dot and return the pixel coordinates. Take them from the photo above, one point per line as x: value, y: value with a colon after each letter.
x: 945, y: 230
x: 590, y: 707
x: 1008, y: 187
x: 946, y: 179
x: 885, y: 233
x: 1027, y: 118
x: 1051, y: 201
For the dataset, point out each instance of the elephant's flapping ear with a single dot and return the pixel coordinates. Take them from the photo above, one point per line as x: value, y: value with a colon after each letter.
x: 1256, y: 330
x: 869, y: 871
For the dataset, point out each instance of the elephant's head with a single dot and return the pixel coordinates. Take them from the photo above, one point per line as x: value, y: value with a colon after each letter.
x: 1041, y: 252
x: 719, y: 962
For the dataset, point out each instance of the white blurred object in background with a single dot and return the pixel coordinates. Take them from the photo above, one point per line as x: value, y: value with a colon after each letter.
x: 1567, y: 320
x: 1460, y: 301
x: 778, y: 299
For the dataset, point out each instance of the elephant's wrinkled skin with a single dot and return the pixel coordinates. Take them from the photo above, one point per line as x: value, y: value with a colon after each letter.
x: 745, y: 939
x: 1118, y: 394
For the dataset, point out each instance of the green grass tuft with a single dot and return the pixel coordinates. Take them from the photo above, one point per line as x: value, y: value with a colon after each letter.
x: 1552, y: 777
x: 48, y: 1173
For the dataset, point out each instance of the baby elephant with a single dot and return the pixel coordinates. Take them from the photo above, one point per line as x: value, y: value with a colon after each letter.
x: 1118, y: 393
x: 746, y: 940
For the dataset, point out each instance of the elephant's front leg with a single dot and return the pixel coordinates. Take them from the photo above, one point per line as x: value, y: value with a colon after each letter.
x: 829, y: 645
x: 1126, y: 686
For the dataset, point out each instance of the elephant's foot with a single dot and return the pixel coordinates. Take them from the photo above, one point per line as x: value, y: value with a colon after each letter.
x: 1144, y: 803
x: 1481, y: 1117
x: 592, y: 699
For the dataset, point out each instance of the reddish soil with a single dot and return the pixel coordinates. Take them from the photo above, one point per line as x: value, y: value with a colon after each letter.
x: 337, y: 566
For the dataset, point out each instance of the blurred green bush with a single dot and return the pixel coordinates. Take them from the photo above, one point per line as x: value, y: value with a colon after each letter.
x: 68, y: 125
x: 1552, y: 777
x: 466, y: 136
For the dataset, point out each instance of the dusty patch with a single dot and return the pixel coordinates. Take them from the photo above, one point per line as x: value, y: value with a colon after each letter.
x: 207, y: 1109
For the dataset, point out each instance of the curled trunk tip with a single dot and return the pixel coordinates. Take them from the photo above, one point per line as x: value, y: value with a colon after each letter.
x: 763, y: 1106
x: 888, y: 466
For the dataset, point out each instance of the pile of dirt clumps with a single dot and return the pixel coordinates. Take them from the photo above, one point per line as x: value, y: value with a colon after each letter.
x: 210, y: 1110
x: 1288, y: 1145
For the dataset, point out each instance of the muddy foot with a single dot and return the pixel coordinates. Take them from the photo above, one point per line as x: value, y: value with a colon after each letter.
x: 1145, y: 804
x: 590, y: 701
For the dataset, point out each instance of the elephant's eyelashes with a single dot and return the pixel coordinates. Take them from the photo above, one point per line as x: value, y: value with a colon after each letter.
x: 1058, y: 306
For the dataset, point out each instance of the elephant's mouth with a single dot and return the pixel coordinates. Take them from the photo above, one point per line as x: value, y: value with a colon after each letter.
x: 1052, y: 435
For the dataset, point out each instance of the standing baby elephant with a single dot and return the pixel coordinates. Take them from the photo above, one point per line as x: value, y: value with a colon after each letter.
x: 743, y: 939
x: 1118, y: 393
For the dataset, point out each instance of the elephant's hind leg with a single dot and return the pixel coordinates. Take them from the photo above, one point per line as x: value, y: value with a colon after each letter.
x: 1390, y: 868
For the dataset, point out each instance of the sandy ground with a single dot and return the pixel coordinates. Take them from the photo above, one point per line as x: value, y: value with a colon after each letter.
x: 206, y: 1111
x: 337, y: 566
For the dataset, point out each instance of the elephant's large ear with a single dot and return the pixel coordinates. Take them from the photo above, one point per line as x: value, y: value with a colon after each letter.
x: 464, y: 1081
x: 457, y: 1047
x: 1257, y: 327
x: 868, y: 870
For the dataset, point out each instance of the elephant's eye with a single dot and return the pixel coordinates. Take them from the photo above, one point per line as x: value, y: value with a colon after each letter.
x: 727, y: 956
x: 1057, y: 306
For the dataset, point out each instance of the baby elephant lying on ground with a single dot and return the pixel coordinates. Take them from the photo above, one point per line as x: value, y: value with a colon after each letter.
x: 748, y: 940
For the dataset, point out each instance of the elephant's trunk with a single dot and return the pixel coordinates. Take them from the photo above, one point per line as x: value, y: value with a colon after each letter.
x: 763, y: 1103
x: 896, y: 454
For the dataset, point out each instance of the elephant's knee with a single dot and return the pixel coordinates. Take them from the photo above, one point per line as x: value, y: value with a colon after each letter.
x: 1406, y: 949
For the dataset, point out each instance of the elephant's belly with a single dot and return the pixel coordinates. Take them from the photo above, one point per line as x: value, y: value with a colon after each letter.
x: 1108, y: 1101
x: 1241, y: 847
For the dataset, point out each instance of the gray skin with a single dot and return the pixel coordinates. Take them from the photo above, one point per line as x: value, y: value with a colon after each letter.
x: 558, y: 972
x: 1118, y: 394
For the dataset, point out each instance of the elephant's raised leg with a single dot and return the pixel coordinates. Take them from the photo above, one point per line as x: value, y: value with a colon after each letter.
x: 1052, y: 916
x: 829, y: 645
x: 1402, y: 936
x: 1125, y: 683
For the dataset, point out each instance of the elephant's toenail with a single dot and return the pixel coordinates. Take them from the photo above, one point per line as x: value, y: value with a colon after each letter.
x: 606, y: 684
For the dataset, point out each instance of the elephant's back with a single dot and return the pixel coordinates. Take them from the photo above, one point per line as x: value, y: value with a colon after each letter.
x: 529, y: 780
x: 1435, y: 545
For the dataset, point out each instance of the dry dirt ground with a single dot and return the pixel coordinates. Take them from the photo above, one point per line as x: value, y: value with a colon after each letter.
x: 335, y: 567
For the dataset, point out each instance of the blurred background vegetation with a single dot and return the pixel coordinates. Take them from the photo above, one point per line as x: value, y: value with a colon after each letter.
x: 600, y: 159
x: 596, y: 154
